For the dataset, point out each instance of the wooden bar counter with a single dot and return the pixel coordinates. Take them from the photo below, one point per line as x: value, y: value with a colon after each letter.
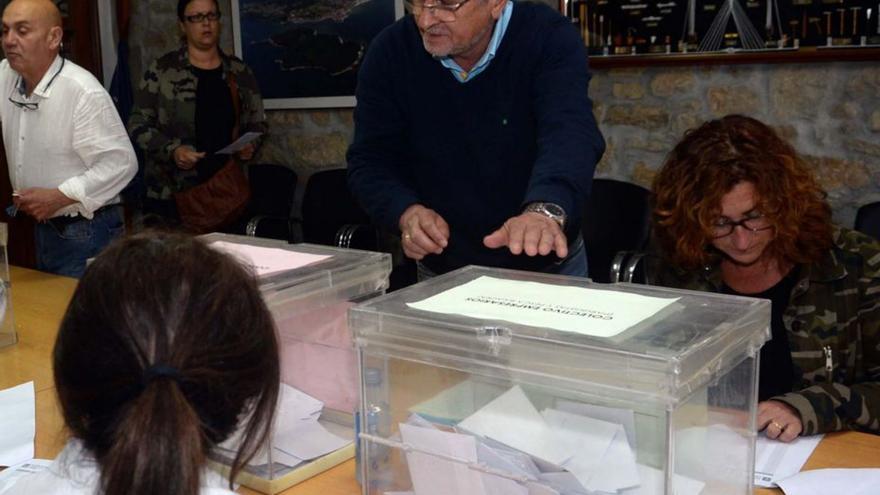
x: 39, y: 301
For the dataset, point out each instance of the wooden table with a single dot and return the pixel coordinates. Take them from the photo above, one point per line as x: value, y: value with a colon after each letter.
x: 39, y: 301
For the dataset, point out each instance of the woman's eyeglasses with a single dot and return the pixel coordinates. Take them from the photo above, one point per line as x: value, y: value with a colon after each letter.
x: 202, y: 17
x: 754, y: 222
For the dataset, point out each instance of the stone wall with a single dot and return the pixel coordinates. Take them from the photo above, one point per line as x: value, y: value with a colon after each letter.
x: 829, y: 111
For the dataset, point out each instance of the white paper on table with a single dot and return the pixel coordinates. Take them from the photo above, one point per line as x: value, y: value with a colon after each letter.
x: 307, y: 440
x: 825, y: 481
x: 618, y: 469
x: 11, y: 475
x: 588, y: 438
x: 775, y: 460
x: 266, y: 261
x: 625, y: 417
x: 239, y: 144
x: 512, y: 420
x: 19, y: 423
x: 653, y: 483
x: 593, y: 312
x: 432, y: 475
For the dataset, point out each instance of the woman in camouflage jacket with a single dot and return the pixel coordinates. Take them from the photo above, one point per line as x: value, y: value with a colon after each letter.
x: 182, y: 91
x: 737, y: 211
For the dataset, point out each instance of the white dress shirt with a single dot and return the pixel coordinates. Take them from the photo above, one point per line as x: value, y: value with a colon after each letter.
x: 75, y: 472
x: 66, y: 135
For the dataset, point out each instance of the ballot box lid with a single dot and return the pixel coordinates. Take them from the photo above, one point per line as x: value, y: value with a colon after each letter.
x: 340, y: 274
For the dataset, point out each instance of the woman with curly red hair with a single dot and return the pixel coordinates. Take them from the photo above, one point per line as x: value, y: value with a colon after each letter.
x: 737, y: 211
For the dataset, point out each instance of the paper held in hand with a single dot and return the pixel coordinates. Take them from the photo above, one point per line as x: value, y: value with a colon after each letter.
x: 239, y: 143
x: 599, y: 313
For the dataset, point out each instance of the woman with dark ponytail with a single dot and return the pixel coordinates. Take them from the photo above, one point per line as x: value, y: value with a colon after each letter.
x: 165, y: 349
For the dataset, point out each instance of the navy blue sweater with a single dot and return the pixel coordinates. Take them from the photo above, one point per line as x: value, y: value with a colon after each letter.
x: 521, y: 131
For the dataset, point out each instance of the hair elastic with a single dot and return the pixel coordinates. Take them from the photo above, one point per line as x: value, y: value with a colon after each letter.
x: 159, y: 371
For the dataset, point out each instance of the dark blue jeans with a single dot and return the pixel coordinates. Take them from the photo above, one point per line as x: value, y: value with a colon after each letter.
x: 65, y: 243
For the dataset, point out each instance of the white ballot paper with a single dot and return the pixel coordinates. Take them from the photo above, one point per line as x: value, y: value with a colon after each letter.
x: 512, y: 420
x: 432, y: 475
x: 239, y: 143
x: 19, y: 422
x: 825, y: 481
x: 599, y: 313
x: 297, y: 437
x: 10, y: 476
x: 775, y: 460
x: 266, y: 261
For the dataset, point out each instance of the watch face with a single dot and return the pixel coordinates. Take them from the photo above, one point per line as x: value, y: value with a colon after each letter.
x: 553, y: 209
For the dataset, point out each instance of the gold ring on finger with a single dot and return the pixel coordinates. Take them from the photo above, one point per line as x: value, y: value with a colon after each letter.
x: 781, y: 428
x: 407, y: 236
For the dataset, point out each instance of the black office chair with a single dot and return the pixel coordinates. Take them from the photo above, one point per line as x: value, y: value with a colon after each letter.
x: 868, y: 219
x: 268, y: 213
x: 332, y: 217
x: 616, y: 219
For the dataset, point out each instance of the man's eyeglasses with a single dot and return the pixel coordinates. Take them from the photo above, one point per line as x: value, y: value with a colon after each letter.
x: 444, y: 10
x: 19, y: 88
x: 202, y: 17
x: 754, y: 223
x: 25, y: 105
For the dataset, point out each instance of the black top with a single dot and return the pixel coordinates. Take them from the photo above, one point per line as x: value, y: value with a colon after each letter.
x: 521, y: 131
x: 215, y: 118
x: 777, y: 370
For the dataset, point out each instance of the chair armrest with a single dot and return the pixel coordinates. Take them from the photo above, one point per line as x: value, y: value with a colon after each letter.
x: 276, y: 227
x: 615, y: 273
x: 346, y: 235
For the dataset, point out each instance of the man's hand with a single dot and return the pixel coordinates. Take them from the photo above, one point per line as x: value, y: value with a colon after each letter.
x: 186, y: 158
x: 41, y: 203
x: 779, y: 420
x: 531, y: 233
x: 423, y: 232
x: 247, y: 152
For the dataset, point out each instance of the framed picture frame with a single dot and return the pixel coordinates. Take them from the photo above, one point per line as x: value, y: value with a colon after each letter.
x: 305, y: 53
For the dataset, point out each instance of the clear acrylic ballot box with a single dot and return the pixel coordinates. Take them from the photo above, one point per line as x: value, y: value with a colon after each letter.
x: 7, y: 323
x: 309, y: 304
x: 487, y: 381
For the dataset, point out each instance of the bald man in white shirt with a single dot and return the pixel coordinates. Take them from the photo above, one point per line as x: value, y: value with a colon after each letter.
x: 67, y: 150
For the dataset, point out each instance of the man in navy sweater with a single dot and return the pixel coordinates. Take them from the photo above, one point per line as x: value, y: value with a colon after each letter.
x: 474, y: 136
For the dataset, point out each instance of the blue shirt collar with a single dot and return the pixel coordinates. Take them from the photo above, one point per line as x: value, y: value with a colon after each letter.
x: 497, y: 35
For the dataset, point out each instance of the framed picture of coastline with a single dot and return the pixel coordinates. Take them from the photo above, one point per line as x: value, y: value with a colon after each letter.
x: 306, y: 53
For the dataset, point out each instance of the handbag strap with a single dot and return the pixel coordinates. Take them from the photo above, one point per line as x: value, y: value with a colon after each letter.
x: 236, y: 102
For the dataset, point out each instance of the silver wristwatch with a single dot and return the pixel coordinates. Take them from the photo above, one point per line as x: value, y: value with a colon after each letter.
x: 550, y: 210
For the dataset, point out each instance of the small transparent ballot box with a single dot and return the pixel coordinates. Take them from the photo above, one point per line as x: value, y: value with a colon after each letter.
x: 486, y: 381
x: 7, y: 323
x: 308, y: 289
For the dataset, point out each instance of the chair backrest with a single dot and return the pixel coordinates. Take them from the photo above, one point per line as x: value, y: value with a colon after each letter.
x: 617, y: 217
x: 272, y: 190
x: 330, y: 212
x: 868, y: 219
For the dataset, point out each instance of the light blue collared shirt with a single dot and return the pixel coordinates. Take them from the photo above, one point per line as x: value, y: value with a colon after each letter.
x: 500, y: 27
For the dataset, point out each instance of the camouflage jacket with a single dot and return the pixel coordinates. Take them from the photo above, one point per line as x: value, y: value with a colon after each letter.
x: 163, y: 117
x: 834, y: 309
